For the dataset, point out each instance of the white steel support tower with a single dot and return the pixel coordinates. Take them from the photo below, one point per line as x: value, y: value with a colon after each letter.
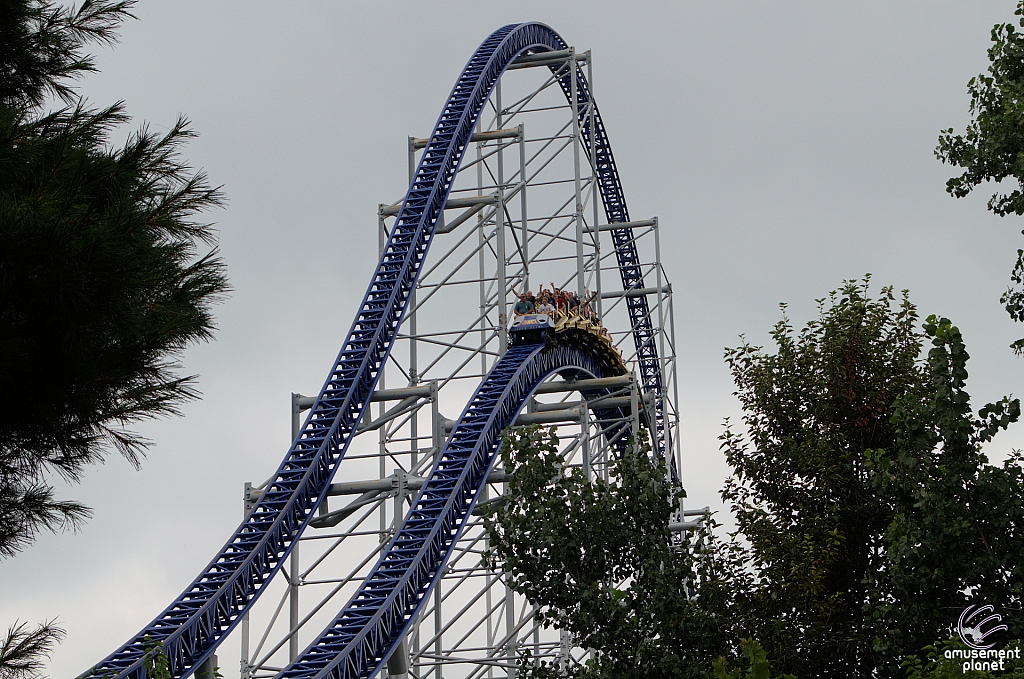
x: 525, y: 212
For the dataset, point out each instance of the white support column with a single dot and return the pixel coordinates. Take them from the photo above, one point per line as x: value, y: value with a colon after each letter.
x: 661, y: 296
x: 510, y: 618
x: 581, y: 282
x: 502, y: 282
x: 293, y: 603
x: 485, y: 495
x: 294, y: 565
x: 510, y: 627
x: 675, y: 385
x: 662, y: 358
x: 596, y: 188
x: 398, y: 483
x: 525, y: 236
x: 564, y: 646
x: 438, y: 443
x: 244, y: 669
x: 481, y: 253
x: 499, y: 229
x: 634, y: 407
x: 585, y: 442
x: 414, y: 442
x: 382, y: 438
x: 413, y: 365
x: 412, y: 158
x: 536, y: 637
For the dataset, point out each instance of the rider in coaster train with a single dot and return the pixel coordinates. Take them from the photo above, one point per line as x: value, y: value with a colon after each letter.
x: 524, y: 305
x: 549, y: 302
x: 536, y: 315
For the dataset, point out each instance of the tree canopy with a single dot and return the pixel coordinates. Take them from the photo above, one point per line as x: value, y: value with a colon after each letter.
x: 105, y: 273
x: 867, y: 515
x: 858, y: 489
x: 803, y: 502
x: 598, y: 559
x: 957, y: 533
x: 105, y: 277
x: 991, y: 149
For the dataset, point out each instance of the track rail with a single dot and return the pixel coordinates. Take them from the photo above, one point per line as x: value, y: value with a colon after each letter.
x: 379, y: 614
x: 191, y: 627
x: 599, y: 150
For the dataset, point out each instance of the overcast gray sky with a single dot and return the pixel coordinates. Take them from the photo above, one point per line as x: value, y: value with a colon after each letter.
x: 784, y: 146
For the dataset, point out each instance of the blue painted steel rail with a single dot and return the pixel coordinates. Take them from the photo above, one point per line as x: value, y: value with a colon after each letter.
x: 192, y: 626
x: 369, y: 627
x: 599, y: 150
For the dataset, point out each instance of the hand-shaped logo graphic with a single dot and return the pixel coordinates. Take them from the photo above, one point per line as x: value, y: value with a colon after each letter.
x: 972, y: 626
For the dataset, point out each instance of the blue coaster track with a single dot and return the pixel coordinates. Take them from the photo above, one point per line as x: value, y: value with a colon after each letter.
x: 189, y: 630
x: 369, y: 627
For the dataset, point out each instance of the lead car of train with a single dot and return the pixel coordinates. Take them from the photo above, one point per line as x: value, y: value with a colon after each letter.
x: 531, y: 328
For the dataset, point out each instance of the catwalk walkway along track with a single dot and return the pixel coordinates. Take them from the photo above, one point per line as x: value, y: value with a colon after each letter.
x: 364, y: 633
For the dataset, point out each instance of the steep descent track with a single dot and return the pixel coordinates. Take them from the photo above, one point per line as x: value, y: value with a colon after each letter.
x: 192, y: 626
x: 368, y: 629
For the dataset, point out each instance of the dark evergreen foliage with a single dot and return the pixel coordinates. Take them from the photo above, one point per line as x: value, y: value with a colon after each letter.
x: 23, y: 649
x: 105, y: 273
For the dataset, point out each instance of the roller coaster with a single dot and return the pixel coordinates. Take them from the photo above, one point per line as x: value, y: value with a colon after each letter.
x: 405, y: 554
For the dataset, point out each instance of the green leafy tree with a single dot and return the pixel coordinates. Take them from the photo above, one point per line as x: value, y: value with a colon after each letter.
x: 867, y: 516
x: 867, y: 512
x: 957, y: 533
x: 105, y: 277
x: 599, y: 561
x: 811, y: 524
x: 992, y: 147
x: 756, y: 659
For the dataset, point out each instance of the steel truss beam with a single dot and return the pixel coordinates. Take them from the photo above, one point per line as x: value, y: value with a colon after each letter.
x: 367, y: 631
x: 394, y: 597
x: 534, y: 241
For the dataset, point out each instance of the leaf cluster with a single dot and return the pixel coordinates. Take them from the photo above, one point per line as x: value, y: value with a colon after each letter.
x: 597, y: 558
x: 809, y: 524
x: 156, y: 665
x: 992, y: 146
x: 23, y: 649
x: 957, y: 533
x: 756, y: 659
x: 41, y: 47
